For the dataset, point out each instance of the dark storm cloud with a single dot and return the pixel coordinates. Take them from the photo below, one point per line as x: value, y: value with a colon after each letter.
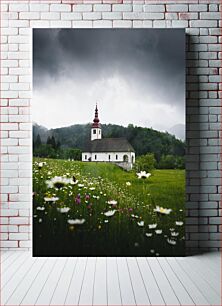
x: 140, y: 55
x: 136, y: 72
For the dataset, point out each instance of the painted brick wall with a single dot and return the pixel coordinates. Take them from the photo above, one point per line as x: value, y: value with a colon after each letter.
x: 201, y: 18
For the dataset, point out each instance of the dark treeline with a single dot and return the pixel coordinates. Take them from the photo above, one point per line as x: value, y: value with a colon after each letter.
x: 68, y: 142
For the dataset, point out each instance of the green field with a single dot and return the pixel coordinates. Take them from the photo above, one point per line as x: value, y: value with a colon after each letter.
x: 87, y: 198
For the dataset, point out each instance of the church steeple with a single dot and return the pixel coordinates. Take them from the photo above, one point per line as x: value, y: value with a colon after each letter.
x: 96, y: 132
x: 96, y: 123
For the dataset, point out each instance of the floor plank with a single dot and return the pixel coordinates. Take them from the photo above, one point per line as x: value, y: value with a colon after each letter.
x: 140, y: 291
x: 208, y: 292
x: 13, y: 269
x: 21, y: 290
x: 152, y: 287
x: 49, y: 287
x: 100, y: 283
x: 17, y: 279
x: 181, y: 293
x: 73, y: 294
x: 113, y: 285
x: 127, y: 293
x: 37, y: 285
x: 165, y: 287
x: 212, y: 278
x: 62, y: 288
x: 110, y: 281
x: 86, y: 295
x: 190, y: 286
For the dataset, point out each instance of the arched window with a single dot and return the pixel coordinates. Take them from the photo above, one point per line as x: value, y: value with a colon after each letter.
x: 125, y: 158
x: 85, y: 156
x: 116, y: 157
x: 95, y: 157
x: 109, y: 157
x: 94, y: 131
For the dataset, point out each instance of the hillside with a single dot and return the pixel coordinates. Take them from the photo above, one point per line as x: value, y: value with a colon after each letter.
x: 142, y: 139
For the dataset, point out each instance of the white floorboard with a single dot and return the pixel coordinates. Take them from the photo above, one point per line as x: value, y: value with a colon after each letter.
x: 194, y: 280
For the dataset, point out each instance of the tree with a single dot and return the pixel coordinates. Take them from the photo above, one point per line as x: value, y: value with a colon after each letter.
x: 38, y: 141
x: 145, y: 162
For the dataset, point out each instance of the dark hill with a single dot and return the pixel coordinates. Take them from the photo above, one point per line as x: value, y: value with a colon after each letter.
x: 142, y: 139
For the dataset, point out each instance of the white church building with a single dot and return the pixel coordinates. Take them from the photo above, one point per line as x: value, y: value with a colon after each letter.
x: 114, y: 150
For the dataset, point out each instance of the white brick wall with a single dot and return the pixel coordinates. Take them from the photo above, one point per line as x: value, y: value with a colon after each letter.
x: 201, y: 20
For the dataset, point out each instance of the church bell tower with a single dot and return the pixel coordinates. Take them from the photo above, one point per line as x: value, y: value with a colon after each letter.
x: 96, y: 131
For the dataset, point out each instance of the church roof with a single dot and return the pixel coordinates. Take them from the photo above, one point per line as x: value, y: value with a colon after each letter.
x: 109, y: 145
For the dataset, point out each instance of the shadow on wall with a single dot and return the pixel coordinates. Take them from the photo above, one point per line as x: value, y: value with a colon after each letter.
x: 193, y: 171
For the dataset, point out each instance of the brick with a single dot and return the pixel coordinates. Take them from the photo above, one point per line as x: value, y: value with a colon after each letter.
x: 93, y: 15
x: 61, y: 24
x: 82, y: 8
x: 18, y: 236
x: 180, y: 23
x: 18, y: 7
x: 197, y: 7
x: 177, y: 8
x: 60, y: 8
x: 102, y: 24
x: 112, y: 15
x: 216, y: 16
x: 154, y: 8
x: 122, y: 23
x: 203, y: 23
x: 51, y: 15
x: 29, y: 15
x: 37, y: 7
x: 135, y: 15
x: 102, y: 7
x: 122, y: 7
x: 71, y: 16
x: 8, y: 244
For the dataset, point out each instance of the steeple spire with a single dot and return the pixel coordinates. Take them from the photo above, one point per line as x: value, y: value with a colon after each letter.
x: 96, y: 123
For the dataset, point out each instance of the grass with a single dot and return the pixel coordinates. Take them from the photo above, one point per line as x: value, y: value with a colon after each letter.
x: 122, y: 234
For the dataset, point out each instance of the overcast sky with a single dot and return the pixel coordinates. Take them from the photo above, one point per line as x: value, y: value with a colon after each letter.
x: 135, y: 75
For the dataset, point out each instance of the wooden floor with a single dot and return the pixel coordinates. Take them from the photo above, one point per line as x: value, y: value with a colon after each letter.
x: 110, y: 281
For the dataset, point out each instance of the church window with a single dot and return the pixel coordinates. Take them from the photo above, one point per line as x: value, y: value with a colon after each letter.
x: 116, y: 156
x: 99, y: 131
x: 85, y: 156
x: 94, y: 131
x: 95, y: 157
x: 109, y: 157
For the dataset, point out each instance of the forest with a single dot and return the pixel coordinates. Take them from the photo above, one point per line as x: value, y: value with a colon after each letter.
x: 69, y: 142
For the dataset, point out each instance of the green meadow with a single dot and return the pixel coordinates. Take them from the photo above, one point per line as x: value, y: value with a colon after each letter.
x: 98, y: 209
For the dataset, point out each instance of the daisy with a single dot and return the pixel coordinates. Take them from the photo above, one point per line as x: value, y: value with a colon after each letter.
x: 63, y: 210
x: 128, y: 184
x: 158, y: 232
x: 112, y: 202
x: 141, y: 223
x: 172, y: 242
x: 174, y: 234
x: 51, y: 199
x: 40, y: 208
x: 179, y: 223
x: 76, y: 221
x: 110, y: 213
x: 143, y: 174
x: 152, y: 226
x: 148, y: 234
x: 163, y: 211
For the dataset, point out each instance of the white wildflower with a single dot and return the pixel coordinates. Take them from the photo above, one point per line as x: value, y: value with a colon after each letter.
x: 110, y: 213
x: 161, y: 210
x: 76, y: 221
x: 143, y: 174
x: 63, y: 210
x: 152, y: 226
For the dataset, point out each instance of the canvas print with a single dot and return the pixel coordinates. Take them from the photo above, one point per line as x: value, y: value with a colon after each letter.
x: 108, y: 142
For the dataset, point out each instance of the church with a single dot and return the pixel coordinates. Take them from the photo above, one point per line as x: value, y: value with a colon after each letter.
x: 113, y: 150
